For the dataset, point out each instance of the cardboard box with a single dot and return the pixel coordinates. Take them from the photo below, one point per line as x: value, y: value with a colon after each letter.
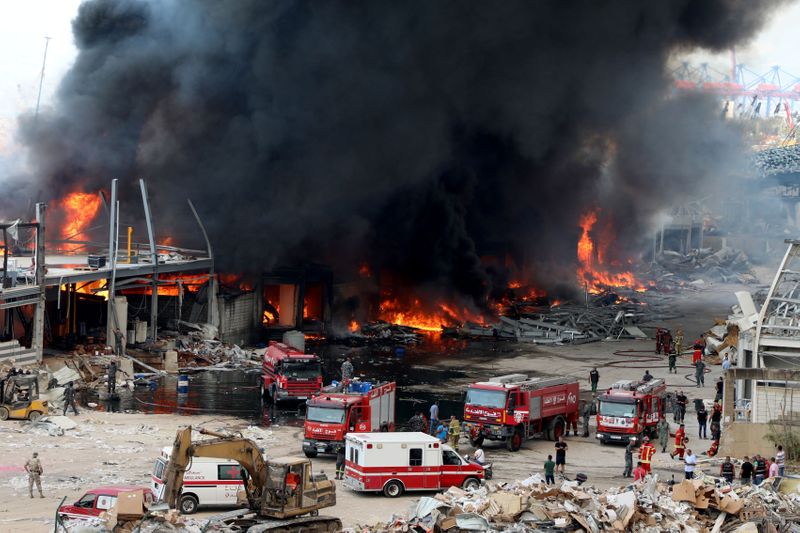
x: 684, y: 492
x: 130, y: 505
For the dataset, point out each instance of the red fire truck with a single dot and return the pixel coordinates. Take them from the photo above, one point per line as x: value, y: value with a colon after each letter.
x: 629, y: 410
x: 289, y: 374
x: 361, y: 407
x: 514, y: 407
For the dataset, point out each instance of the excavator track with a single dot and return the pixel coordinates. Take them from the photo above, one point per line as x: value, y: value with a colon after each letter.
x: 305, y: 524
x: 245, y: 520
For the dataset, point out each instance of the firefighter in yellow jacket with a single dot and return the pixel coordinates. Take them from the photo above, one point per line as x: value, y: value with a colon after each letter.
x: 454, y: 432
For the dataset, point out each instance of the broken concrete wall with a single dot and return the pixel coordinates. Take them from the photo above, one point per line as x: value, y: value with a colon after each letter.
x: 745, y: 439
x: 236, y: 318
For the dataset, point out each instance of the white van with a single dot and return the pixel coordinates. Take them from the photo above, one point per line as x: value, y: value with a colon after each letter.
x: 207, y: 481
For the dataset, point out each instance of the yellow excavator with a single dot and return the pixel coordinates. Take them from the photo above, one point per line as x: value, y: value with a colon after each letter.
x: 283, y: 495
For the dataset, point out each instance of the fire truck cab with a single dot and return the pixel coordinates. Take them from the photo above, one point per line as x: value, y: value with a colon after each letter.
x: 359, y: 406
x: 630, y: 410
x: 514, y: 407
x: 289, y: 374
x: 393, y: 463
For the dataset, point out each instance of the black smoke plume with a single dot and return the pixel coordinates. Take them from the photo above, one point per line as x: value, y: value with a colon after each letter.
x: 420, y: 136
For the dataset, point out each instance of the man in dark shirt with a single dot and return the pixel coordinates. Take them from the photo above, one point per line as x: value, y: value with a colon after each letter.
x: 716, y: 412
x: 647, y: 376
x: 702, y: 421
x: 594, y: 378
x: 681, y: 400
x: 718, y: 385
x: 561, y: 454
x: 760, y: 470
x: 727, y: 470
x: 747, y: 471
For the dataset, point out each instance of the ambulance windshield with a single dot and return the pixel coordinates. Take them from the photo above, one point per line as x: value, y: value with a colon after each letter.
x: 486, y: 398
x: 627, y: 410
x: 328, y: 415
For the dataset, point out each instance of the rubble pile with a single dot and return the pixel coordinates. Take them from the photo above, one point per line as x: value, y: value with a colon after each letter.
x: 726, y: 264
x: 530, y: 505
x: 380, y: 332
x: 608, y: 316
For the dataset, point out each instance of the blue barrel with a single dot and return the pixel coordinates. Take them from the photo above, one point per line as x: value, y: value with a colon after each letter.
x: 183, y: 384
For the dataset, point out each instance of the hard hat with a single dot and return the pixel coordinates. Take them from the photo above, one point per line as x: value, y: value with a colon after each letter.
x: 647, y: 439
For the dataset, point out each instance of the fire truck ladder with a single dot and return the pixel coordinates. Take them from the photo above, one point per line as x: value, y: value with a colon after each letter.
x: 529, y: 384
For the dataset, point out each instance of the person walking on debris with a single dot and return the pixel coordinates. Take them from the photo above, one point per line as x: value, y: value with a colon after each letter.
x: 780, y: 460
x: 663, y: 434
x: 680, y: 442
x: 69, y: 399
x: 118, y: 341
x: 34, y: 469
x: 585, y: 414
x: 454, y: 432
x: 716, y: 412
x: 629, y: 460
x: 550, y: 471
x: 727, y: 470
x: 640, y: 473
x: 702, y: 421
x: 112, y: 377
x: 773, y: 468
x: 746, y: 471
x: 347, y: 371
x: 678, y: 342
x: 699, y: 373
x: 646, y: 453
x: 647, y: 376
x: 594, y: 379
x: 681, y: 400
x: 561, y: 454
x: 340, y: 462
x: 690, y: 461
x: 434, y: 416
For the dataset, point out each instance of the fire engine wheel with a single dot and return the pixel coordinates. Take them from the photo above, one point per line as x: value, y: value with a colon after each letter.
x: 188, y: 504
x: 310, y: 453
x: 514, y: 442
x: 3, y: 413
x: 476, y: 442
x: 470, y: 484
x: 393, y: 489
x: 556, y: 428
x: 33, y: 416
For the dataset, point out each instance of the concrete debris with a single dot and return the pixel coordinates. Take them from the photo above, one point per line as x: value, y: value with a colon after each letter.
x: 726, y: 265
x: 690, y: 506
x: 381, y: 332
x: 609, y: 316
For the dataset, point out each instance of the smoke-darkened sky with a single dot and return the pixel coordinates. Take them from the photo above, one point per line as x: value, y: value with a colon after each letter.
x: 416, y: 135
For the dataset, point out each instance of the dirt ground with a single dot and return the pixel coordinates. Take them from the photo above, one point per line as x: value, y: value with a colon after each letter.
x: 115, y: 448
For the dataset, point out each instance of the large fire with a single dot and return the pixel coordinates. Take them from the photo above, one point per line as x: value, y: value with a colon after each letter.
x: 593, y: 270
x: 416, y: 315
x: 79, y: 208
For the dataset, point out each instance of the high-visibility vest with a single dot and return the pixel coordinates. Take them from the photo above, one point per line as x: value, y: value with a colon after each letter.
x: 646, y: 452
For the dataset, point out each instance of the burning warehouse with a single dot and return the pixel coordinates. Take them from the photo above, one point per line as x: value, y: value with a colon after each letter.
x: 348, y: 215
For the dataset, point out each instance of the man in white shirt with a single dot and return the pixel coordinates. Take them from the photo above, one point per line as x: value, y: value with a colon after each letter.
x: 690, y: 460
x: 780, y: 460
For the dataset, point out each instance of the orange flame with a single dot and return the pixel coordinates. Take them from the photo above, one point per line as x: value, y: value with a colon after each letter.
x: 413, y: 315
x: 79, y: 208
x: 364, y: 271
x: 353, y: 326
x: 591, y: 271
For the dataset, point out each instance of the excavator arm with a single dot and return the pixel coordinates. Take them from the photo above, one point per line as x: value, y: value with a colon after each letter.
x: 241, y: 450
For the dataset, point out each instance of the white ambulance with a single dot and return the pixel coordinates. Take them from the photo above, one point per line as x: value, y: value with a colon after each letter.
x: 207, y: 481
x: 393, y: 463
